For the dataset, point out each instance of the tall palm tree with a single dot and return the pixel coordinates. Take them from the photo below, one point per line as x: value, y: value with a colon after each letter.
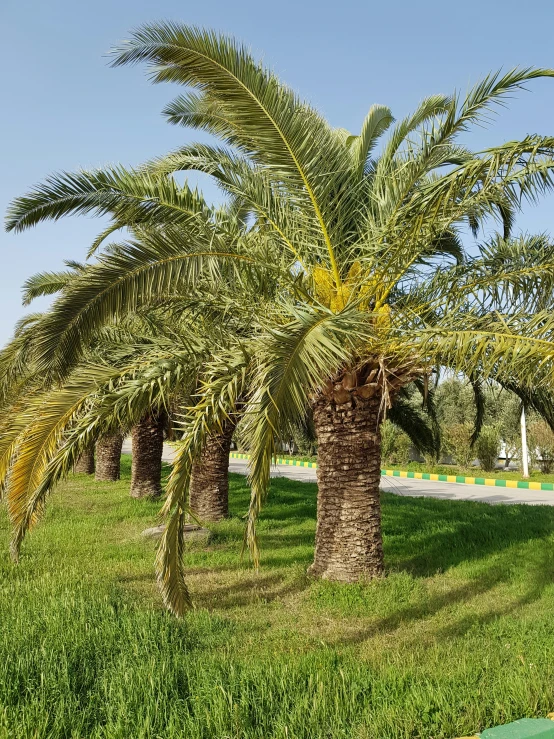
x: 371, y: 297
x: 363, y: 230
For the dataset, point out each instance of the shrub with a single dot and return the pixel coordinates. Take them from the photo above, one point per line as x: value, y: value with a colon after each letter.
x: 395, y: 444
x: 458, y: 442
x: 541, y: 444
x: 487, y: 447
x: 431, y: 459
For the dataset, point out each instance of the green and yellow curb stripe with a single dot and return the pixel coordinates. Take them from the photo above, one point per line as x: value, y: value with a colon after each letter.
x: 460, y: 479
x: 489, y: 482
x: 291, y: 462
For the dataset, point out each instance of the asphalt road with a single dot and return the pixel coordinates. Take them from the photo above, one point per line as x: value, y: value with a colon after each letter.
x: 404, y: 486
x: 422, y: 488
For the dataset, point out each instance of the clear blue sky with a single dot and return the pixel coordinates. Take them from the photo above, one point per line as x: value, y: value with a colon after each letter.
x: 64, y: 108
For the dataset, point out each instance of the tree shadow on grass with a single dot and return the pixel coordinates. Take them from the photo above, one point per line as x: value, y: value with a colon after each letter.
x: 480, y: 586
x: 253, y: 589
x: 421, y: 535
x: 424, y: 536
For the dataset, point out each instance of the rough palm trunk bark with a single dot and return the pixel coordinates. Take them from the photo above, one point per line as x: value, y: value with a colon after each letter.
x: 209, y: 487
x: 85, y: 463
x: 348, y: 545
x: 147, y: 447
x: 108, y: 457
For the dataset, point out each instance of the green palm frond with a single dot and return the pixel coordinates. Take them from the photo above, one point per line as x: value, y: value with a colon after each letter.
x: 41, y: 425
x: 421, y: 429
x: 497, y: 346
x: 120, y: 283
x: 45, y: 283
x: 48, y: 431
x: 377, y: 121
x: 129, y: 196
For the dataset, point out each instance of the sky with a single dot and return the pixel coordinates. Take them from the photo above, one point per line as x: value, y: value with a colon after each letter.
x: 62, y: 107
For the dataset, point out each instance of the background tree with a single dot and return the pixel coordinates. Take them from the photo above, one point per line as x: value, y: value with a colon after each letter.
x: 85, y: 463
x: 541, y: 445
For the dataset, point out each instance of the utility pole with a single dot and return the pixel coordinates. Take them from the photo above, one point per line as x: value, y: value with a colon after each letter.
x: 524, y: 453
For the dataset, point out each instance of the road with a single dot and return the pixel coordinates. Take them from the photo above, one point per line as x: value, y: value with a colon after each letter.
x: 422, y: 488
x: 403, y: 486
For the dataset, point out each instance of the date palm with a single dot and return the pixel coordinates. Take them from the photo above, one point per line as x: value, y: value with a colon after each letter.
x: 366, y: 233
x: 130, y: 196
x: 369, y: 300
x: 108, y: 457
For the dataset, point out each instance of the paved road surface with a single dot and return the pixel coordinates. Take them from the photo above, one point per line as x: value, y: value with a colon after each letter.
x: 422, y: 488
x: 403, y: 486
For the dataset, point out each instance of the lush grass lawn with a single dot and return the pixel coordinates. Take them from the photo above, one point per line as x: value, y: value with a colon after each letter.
x: 459, y: 636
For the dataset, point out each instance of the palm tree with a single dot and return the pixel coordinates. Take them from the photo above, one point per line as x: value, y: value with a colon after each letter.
x: 85, y: 463
x: 366, y: 233
x: 146, y: 469
x: 148, y: 433
x: 363, y: 247
x: 108, y: 457
x: 181, y: 219
x: 46, y: 429
x: 209, y: 486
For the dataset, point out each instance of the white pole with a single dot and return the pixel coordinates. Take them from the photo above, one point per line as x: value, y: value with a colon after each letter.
x: 524, y: 453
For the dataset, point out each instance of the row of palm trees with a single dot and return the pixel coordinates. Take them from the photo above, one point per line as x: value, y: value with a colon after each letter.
x: 334, y: 278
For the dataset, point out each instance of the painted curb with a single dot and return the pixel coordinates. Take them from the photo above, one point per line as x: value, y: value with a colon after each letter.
x: 459, y: 479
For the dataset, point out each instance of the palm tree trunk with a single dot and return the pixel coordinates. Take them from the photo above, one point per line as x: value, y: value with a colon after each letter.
x: 209, y: 487
x: 348, y: 545
x: 85, y: 463
x: 108, y: 457
x: 147, y: 447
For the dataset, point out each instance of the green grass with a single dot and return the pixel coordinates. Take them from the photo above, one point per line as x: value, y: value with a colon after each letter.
x: 458, y: 637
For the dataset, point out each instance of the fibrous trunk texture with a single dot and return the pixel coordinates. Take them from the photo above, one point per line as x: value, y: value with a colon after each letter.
x: 147, y: 447
x: 209, y: 487
x: 108, y: 457
x: 348, y: 545
x: 85, y: 463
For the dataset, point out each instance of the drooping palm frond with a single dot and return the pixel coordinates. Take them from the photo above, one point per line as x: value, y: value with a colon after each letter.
x: 47, y: 433
x: 421, y: 429
x: 45, y: 283
x: 223, y: 385
x: 37, y: 432
x: 120, y: 283
x: 256, y: 112
x: 129, y: 196
x: 496, y: 346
